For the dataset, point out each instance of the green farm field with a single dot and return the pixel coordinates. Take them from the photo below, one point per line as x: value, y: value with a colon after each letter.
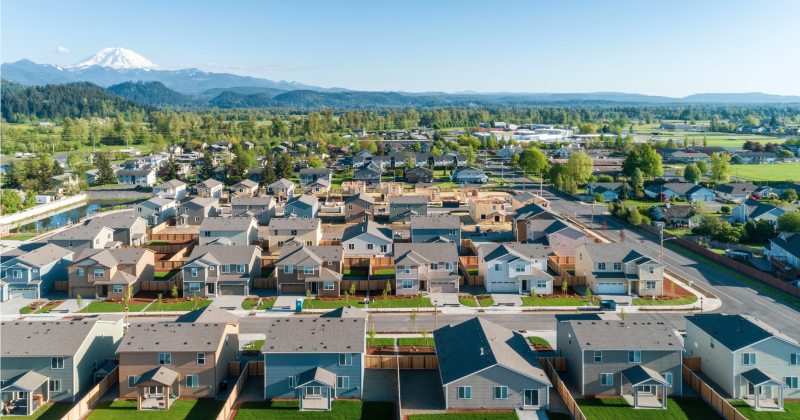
x: 776, y: 172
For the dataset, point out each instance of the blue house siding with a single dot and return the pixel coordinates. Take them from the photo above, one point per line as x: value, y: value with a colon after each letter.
x: 278, y: 367
x: 55, y: 271
x: 301, y: 210
x: 13, y: 366
x: 398, y: 212
x: 427, y: 235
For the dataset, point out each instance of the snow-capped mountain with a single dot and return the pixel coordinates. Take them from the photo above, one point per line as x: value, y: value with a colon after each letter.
x: 116, y: 58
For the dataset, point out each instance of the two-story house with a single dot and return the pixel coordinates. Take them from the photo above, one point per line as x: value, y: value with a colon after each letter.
x: 174, y: 190
x: 156, y: 210
x: 319, y: 188
x: 785, y: 248
x: 367, y: 238
x: 490, y: 209
x: 690, y: 157
x: 557, y: 237
x: 402, y: 207
x: 619, y: 269
x: 436, y: 228
x: 210, y: 188
x: 54, y: 361
x: 432, y: 267
x: 469, y: 175
x: 228, y: 230
x: 484, y: 366
x: 317, y: 269
x: 745, y: 357
x: 753, y: 211
x: 294, y: 232
x: 514, y: 268
x: 82, y: 237
x: 246, y: 188
x: 524, y: 198
x: 309, y: 175
x: 109, y: 273
x: 261, y: 208
x: 419, y: 174
x: 367, y: 176
x: 136, y: 176
x: 128, y: 229
x: 221, y: 270
x: 610, y: 358
x: 359, y: 208
x: 304, y: 206
x: 188, y: 358
x: 532, y: 211
x: 315, y: 360
x: 281, y: 190
x: 196, y: 210
x: 33, y: 274
x: 684, y: 190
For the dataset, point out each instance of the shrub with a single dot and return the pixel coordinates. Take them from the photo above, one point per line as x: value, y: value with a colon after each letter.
x: 725, y: 209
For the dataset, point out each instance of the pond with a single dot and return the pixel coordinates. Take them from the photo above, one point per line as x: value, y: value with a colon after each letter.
x: 68, y: 215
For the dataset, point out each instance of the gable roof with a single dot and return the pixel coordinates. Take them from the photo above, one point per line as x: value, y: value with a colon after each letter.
x: 528, y: 252
x: 316, y: 171
x: 306, y: 199
x: 620, y: 335
x: 737, y: 188
x: 316, y: 374
x: 262, y: 200
x: 43, y: 256
x: 424, y: 253
x: 233, y: 254
x: 529, y: 211
x: 788, y: 241
x: 345, y: 312
x: 80, y: 233
x: 112, y: 256
x: 173, y: 183
x: 736, y: 332
x: 294, y: 223
x: 226, y: 223
x: 209, y: 183
x: 159, y: 201
x: 369, y: 227
x: 315, y: 335
x: 121, y: 220
x: 612, y: 252
x: 677, y: 212
x: 209, y: 314
x: 154, y: 337
x: 360, y: 196
x: 202, y: 202
x: 134, y: 172
x: 247, y: 183
x: 436, y: 221
x: 29, y: 338
x: 283, y: 182
x: 755, y: 209
x: 310, y: 255
x: 682, y: 188
x: 408, y: 199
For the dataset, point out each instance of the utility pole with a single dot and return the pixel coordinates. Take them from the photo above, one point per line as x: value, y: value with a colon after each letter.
x: 591, y: 221
x: 436, y: 313
x: 541, y: 184
x: 662, y: 246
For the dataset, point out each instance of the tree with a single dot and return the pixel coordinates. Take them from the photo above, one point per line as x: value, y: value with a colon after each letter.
x: 11, y: 201
x: 789, y: 195
x: 589, y: 297
x: 44, y: 174
x: 57, y: 169
x: 638, y: 184
x: 631, y: 163
x: 623, y: 192
x: 207, y: 167
x: 534, y: 301
x: 194, y: 301
x: 515, y: 161
x: 371, y: 334
x: 172, y: 170
x: 579, y: 167
x: 692, y: 173
x: 284, y: 166
x: 413, y: 319
x: 725, y: 209
x: 315, y: 162
x: 105, y: 175
x: 705, y: 141
x: 13, y: 178
x: 268, y: 174
x: 598, y: 197
x: 30, y: 199
x: 79, y: 301
x: 720, y: 167
x: 174, y: 292
x: 650, y: 162
x: 703, y: 167
x: 635, y: 218
x: 559, y: 184
x: 159, y: 303
x: 564, y: 287
x: 623, y: 315
x: 534, y: 161
x: 425, y: 335
x: 789, y: 221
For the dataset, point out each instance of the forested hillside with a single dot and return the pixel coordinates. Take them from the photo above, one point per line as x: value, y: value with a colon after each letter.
x: 312, y: 99
x: 152, y: 93
x: 237, y: 100
x: 245, y: 90
x: 8, y: 86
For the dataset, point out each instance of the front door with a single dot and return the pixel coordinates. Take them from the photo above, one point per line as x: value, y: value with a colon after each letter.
x: 646, y: 389
x: 531, y: 397
x: 314, y: 287
x: 751, y: 390
x: 105, y: 290
x: 210, y: 288
x: 497, y: 218
x: 525, y: 287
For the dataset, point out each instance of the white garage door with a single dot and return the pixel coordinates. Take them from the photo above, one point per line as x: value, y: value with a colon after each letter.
x: 504, y: 287
x: 610, y: 287
x: 26, y: 293
x: 231, y: 290
x: 442, y: 288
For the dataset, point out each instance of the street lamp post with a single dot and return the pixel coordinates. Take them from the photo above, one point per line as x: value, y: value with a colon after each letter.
x: 436, y: 313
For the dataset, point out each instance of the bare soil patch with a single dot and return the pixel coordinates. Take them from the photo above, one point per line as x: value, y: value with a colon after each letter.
x: 416, y: 350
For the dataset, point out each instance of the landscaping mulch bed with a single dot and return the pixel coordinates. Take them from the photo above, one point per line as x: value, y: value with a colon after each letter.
x: 254, y: 300
x: 381, y: 350
x: 380, y: 297
x: 538, y: 347
x: 134, y: 300
x: 416, y: 350
x: 359, y: 295
x: 166, y: 297
x: 680, y: 292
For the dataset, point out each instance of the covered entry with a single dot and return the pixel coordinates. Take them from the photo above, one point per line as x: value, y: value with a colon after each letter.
x: 645, y: 384
x: 316, y: 387
x: 760, y: 390
x: 24, y: 394
x: 154, y: 389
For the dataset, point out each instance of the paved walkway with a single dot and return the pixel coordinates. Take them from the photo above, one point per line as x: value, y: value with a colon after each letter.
x: 444, y: 299
x: 228, y: 302
x: 506, y: 299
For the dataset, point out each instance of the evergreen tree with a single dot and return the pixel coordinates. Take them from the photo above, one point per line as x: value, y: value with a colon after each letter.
x: 268, y: 173
x: 284, y: 166
x: 105, y: 174
x: 705, y: 140
x: 638, y: 184
x: 45, y: 174
x: 12, y: 177
x: 623, y: 192
x: 172, y: 170
x: 57, y: 169
x: 207, y: 168
x: 692, y: 173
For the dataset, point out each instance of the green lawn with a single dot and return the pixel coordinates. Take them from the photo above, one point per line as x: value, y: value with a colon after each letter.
x: 178, y: 307
x: 380, y: 342
x: 355, y: 273
x: 336, y: 183
x: 792, y: 411
x: 472, y: 271
x: 470, y: 301
x: 23, y: 237
x: 486, y: 302
x: 47, y: 412
x: 113, y: 307
x: 570, y: 271
x: 255, y: 346
x: 266, y: 304
x: 566, y: 301
x: 329, y: 304
x: 341, y: 410
x: 248, y: 304
x: 619, y: 409
x: 400, y: 303
x: 44, y: 310
x: 776, y: 172
x: 538, y: 340
x: 385, y: 272
x: 415, y: 341
x: 638, y: 203
x: 266, y: 272
x: 164, y: 275
x: 158, y: 243
x: 179, y: 410
x: 466, y: 416
x: 676, y: 302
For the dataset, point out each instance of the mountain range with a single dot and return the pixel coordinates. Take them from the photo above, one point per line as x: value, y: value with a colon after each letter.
x: 115, y: 66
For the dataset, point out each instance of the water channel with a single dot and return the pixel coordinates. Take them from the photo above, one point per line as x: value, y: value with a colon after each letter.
x: 62, y: 217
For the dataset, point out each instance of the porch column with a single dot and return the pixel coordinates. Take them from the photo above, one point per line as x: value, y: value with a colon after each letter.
x: 664, y: 398
x: 166, y: 397
x: 757, y: 390
x: 30, y: 402
x: 139, y: 398
x: 636, y: 397
x: 780, y: 400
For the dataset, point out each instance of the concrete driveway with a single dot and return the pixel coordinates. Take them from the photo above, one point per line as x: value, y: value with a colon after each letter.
x: 10, y: 308
x: 228, y: 302
x: 507, y: 299
x: 444, y: 299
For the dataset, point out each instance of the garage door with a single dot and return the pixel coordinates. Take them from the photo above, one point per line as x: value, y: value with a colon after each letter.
x: 610, y: 287
x: 231, y: 290
x: 293, y: 289
x: 85, y: 292
x: 442, y: 288
x: 504, y: 287
x: 22, y: 293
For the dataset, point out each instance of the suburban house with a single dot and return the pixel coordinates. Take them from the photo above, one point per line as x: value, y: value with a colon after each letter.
x: 367, y: 176
x: 469, y: 175
x: 388, y: 189
x: 33, y: 274
x: 402, y: 207
x: 490, y: 209
x: 188, y: 358
x: 785, y: 248
x: 318, y: 188
x: 419, y: 174
x: 684, y: 190
x: 557, y: 237
x: 294, y: 232
x: 228, y: 231
x: 156, y: 210
x: 317, y: 269
x: 109, y: 273
x: 353, y: 188
x: 174, y: 189
x: 432, y: 267
x: 68, y: 181
x: 282, y: 190
x: 736, y: 191
x: 128, y: 228
x: 315, y: 360
x: 367, y: 238
x: 519, y: 225
x: 436, y: 228
x: 309, y: 175
x: 359, y: 208
x: 690, y: 157
x: 196, y: 210
x: 54, y: 361
x: 96, y: 237
x: 609, y: 190
x: 524, y: 198
x: 221, y: 270
x: 754, y: 158
x: 514, y: 268
x: 684, y: 216
x: 612, y: 358
x: 433, y: 193
x: 262, y: 208
x: 754, y: 211
x: 794, y: 185
x: 136, y: 176
x: 745, y: 357
x: 304, y: 206
x: 246, y: 188
x: 495, y: 362
x: 508, y: 151
x: 618, y: 269
x: 210, y: 188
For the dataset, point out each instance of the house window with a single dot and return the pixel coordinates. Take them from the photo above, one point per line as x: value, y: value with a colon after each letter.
x: 617, y: 266
x: 649, y: 285
x: 293, y: 233
x: 384, y: 248
x: 328, y: 285
x: 351, y: 246
x: 519, y: 268
x: 280, y: 244
x: 98, y: 272
x: 668, y: 377
x: 194, y: 272
x: 794, y: 359
x: 498, y: 267
x: 366, y: 207
x: 55, y: 385
x: 308, y: 243
x: 712, y: 342
x: 448, y: 266
x: 197, y: 219
x: 309, y: 269
x: 569, y: 339
x: 464, y: 392
x: 791, y: 381
x: 501, y: 392
x: 580, y: 257
x: 195, y: 287
x: 312, y: 391
x: 651, y: 270
x: 748, y: 359
x: 370, y: 246
x: 345, y: 359
x: 225, y: 268
x: 434, y: 266
x: 607, y: 379
x: 407, y: 269
x: 155, y: 390
x: 117, y: 288
x: 79, y: 272
x: 164, y: 358
x: 342, y: 382
x: 598, y: 356
x: 408, y: 284
x: 132, y: 380
x: 601, y: 266
x: 192, y: 381
x: 18, y: 274
x: 352, y: 216
x: 276, y: 232
x: 57, y: 362
x: 240, y: 268
x: 634, y: 356
x: 541, y: 284
x: 292, y: 381
x: 207, y: 233
x: 349, y: 207
x: 452, y: 231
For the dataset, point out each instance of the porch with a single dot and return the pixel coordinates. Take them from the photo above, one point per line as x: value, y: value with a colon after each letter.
x: 645, y: 384
x: 760, y: 390
x: 23, y: 394
x: 316, y: 387
x: 154, y: 389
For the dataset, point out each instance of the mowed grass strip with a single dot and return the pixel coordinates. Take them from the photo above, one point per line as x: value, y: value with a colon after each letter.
x: 415, y: 341
x: 178, y: 410
x: 676, y: 302
x: 178, y: 307
x: 340, y: 410
x: 792, y: 411
x: 47, y: 412
x: 619, y: 409
x: 113, y: 307
x: 466, y: 416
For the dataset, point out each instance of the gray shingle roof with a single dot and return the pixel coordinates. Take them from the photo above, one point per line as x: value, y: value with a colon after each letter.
x: 310, y: 255
x: 294, y: 223
x: 158, y: 201
x: 639, y: 374
x: 134, y: 172
x: 612, y: 252
x: 209, y: 314
x: 735, y: 331
x: 681, y: 188
x: 29, y: 381
x: 315, y: 335
x: 529, y: 211
x: 174, y: 183
x: 360, y: 196
x: 160, y: 375
x: 758, y: 377
x: 201, y: 202
x: 281, y: 183
x: 154, y: 337
x: 209, y: 183
x: 44, y: 338
x: 234, y: 254
x: 226, y: 223
x: 619, y: 335
x: 246, y: 183
x: 122, y: 220
x: 263, y: 200
x: 408, y: 199
x: 306, y: 199
x: 346, y: 312
x: 528, y: 252
x: 80, y: 233
x: 477, y: 344
x: 415, y: 253
x: 315, y: 171
x: 45, y: 255
x: 790, y: 242
x: 316, y: 374
x: 367, y: 227
x: 436, y: 221
x: 737, y: 188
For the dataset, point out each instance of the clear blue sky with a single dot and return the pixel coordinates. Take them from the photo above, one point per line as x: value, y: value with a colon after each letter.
x: 671, y: 48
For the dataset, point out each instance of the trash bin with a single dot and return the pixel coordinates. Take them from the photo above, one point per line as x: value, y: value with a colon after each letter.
x: 298, y: 305
x: 223, y: 386
x: 608, y: 305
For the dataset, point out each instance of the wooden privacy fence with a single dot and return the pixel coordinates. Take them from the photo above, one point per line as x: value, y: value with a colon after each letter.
x: 467, y: 278
x: 558, y: 363
x: 562, y: 259
x: 268, y: 261
x: 255, y: 368
x: 710, y: 396
x: 752, y: 272
x: 467, y: 243
x: 693, y: 363
x: 159, y: 286
x: 173, y: 248
x: 572, y: 406
x: 85, y: 404
x: 571, y: 281
x: 235, y: 391
x: 268, y: 283
x: 168, y: 264
x: 469, y: 260
x: 330, y: 243
x: 401, y: 362
x: 61, y: 285
x: 172, y: 236
x: 363, y: 284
